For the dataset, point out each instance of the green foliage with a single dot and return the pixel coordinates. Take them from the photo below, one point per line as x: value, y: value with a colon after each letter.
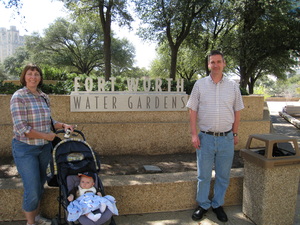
x: 61, y: 88
x: 289, y: 87
x: 13, y: 65
x: 169, y: 21
x: 53, y: 73
x: 107, y: 11
x: 66, y: 44
x: 188, y: 86
x: 247, y: 32
x: 77, y: 47
x: 3, y: 75
x: 265, y: 37
x: 244, y: 91
x: 190, y: 62
x: 261, y: 90
x: 8, y: 88
x: 258, y: 38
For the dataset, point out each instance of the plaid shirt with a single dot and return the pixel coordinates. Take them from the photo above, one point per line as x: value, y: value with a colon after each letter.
x: 28, y: 112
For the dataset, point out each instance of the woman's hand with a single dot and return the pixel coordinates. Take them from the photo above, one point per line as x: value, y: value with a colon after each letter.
x: 67, y: 126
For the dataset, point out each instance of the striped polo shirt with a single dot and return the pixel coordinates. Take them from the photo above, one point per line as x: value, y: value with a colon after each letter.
x: 215, y: 103
x: 28, y: 112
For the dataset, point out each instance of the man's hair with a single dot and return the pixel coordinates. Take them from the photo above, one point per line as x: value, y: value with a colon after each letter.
x: 215, y: 52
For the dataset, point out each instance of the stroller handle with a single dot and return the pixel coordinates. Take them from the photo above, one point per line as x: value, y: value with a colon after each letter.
x: 62, y: 131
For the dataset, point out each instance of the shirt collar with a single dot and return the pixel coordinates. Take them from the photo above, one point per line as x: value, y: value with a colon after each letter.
x: 221, y: 81
x: 28, y: 91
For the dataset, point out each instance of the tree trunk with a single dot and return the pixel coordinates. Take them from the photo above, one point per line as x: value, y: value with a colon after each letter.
x: 206, y: 57
x: 244, y: 79
x: 107, y: 52
x: 105, y: 18
x: 174, y: 54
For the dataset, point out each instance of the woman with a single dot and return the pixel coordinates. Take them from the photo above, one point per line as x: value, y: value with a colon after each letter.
x: 31, y: 144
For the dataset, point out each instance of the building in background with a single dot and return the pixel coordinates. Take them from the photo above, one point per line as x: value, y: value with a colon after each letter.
x: 10, y: 40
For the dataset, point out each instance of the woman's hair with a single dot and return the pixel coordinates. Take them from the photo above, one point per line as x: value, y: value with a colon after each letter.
x: 31, y: 67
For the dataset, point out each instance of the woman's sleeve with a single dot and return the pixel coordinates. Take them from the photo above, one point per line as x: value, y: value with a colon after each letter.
x: 19, y: 115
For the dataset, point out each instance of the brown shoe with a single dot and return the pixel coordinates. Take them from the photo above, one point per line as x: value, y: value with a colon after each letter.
x: 198, y: 213
x: 221, y: 215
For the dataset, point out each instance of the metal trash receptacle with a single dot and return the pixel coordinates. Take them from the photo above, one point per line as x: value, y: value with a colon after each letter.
x: 270, y: 184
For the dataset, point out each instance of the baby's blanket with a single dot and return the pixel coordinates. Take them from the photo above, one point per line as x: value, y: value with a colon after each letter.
x: 90, y: 202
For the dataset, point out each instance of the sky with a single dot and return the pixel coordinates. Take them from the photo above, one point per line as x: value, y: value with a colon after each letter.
x: 39, y: 14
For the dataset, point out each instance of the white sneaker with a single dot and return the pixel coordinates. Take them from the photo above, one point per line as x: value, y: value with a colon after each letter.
x: 43, y: 221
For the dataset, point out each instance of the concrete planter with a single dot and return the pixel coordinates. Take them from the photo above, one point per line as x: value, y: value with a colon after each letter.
x: 116, y: 133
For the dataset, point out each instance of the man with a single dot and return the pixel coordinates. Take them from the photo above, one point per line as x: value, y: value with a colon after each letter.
x: 214, y: 105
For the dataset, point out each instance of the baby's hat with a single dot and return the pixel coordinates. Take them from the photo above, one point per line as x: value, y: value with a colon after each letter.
x: 88, y: 174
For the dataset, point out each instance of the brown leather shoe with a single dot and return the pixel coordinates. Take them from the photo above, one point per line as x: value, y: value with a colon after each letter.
x: 198, y: 213
x: 221, y: 215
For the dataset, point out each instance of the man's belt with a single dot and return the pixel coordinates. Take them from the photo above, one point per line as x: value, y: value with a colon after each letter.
x: 216, y: 133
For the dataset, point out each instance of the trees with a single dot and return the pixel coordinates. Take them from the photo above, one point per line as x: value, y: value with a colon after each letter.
x: 106, y: 10
x: 13, y: 65
x: 267, y: 35
x: 257, y: 37
x: 188, y: 63
x: 169, y: 20
x: 77, y: 46
x: 218, y: 23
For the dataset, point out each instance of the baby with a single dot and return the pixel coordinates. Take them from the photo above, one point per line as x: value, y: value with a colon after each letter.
x: 86, y: 185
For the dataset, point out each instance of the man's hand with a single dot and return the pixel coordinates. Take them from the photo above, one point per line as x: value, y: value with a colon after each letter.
x: 196, y: 141
x: 236, y: 140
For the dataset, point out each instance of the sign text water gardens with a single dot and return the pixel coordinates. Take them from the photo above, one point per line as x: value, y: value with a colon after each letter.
x: 131, y: 100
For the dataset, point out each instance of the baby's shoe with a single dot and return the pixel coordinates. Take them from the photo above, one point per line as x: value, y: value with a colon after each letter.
x: 94, y: 217
x: 102, y: 207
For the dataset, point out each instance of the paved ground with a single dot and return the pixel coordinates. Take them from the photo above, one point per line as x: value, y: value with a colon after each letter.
x: 235, y: 215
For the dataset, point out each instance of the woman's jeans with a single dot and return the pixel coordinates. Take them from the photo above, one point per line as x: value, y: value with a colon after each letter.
x: 31, y: 162
x: 215, y: 151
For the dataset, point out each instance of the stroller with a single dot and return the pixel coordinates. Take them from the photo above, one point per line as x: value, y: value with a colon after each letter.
x: 70, y: 157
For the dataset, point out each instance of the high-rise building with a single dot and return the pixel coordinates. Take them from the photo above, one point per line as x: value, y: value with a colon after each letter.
x: 10, y: 40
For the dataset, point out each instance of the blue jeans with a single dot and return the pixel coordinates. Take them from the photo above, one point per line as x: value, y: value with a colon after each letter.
x: 31, y: 162
x: 218, y: 151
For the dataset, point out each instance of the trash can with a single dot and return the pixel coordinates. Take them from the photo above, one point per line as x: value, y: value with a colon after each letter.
x: 271, y: 178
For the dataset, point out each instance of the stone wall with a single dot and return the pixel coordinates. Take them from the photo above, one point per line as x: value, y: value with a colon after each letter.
x: 117, y: 133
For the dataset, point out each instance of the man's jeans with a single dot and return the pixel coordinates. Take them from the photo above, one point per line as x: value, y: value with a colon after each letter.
x: 31, y: 162
x: 218, y: 151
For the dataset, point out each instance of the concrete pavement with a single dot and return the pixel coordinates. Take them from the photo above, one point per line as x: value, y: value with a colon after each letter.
x: 234, y: 213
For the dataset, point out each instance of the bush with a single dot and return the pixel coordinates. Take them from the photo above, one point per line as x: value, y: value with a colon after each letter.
x: 60, y: 88
x: 8, y: 88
